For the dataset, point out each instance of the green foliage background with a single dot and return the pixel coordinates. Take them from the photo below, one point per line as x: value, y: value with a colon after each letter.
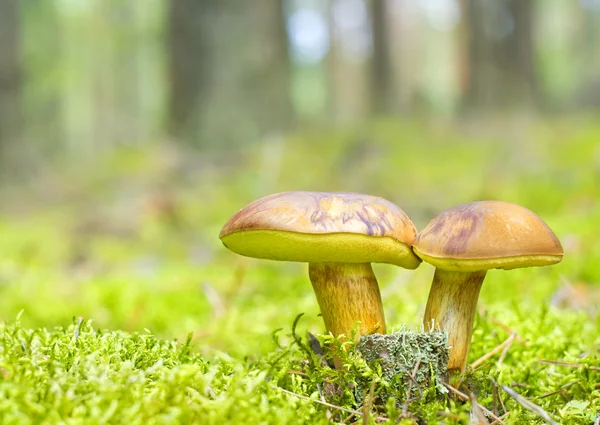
x: 130, y: 244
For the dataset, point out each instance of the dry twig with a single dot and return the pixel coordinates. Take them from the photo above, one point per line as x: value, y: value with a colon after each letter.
x: 465, y: 397
x: 495, y: 395
x: 413, y: 378
x: 368, y: 404
x: 295, y: 372
x: 448, y: 415
x: 529, y: 405
x: 347, y: 420
x: 495, y: 386
x: 500, y: 419
x: 499, y: 348
x: 333, y: 406
x: 567, y: 364
x: 477, y: 416
x: 320, y: 389
x: 509, y: 330
x: 559, y: 391
x: 505, y: 351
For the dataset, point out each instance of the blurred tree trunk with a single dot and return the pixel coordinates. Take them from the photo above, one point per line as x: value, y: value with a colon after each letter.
x: 517, y: 53
x: 189, y: 56
x: 117, y: 75
x: 382, y: 78
x: 479, y: 66
x: 587, y: 50
x: 127, y: 53
x: 348, y: 66
x: 229, y: 71
x: 500, y: 72
x: 10, y: 79
x: 42, y: 105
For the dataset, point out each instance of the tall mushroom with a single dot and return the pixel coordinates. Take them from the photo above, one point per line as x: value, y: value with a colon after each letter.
x: 339, y: 235
x: 463, y: 243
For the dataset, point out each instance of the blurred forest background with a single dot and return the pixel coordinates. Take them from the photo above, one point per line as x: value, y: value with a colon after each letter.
x: 79, y: 78
x: 131, y: 130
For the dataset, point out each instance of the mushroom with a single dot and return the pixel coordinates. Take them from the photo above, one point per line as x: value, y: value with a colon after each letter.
x: 338, y: 235
x: 463, y: 243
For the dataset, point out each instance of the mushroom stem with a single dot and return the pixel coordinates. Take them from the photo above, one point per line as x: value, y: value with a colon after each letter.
x: 348, y: 293
x: 451, y: 306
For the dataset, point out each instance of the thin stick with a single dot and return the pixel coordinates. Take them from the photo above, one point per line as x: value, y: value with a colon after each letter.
x: 495, y: 395
x: 347, y: 420
x: 597, y: 421
x: 505, y: 351
x: 368, y: 403
x: 448, y: 415
x: 509, y: 330
x: 328, y: 413
x: 295, y: 372
x: 491, y: 353
x: 567, y: 364
x: 466, y: 398
x: 333, y: 406
x: 501, y: 417
x: 321, y: 393
x: 529, y: 405
x: 413, y: 378
x: 476, y: 411
x: 495, y: 384
x: 559, y: 391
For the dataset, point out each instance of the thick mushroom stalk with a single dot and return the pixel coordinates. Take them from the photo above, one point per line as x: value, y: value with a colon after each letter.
x: 348, y: 293
x: 451, y: 306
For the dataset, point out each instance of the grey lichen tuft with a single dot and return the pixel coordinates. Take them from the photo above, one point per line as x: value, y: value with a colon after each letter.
x: 399, y: 354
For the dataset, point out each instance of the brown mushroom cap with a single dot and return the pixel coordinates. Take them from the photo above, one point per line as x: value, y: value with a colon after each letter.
x: 485, y: 235
x: 318, y: 227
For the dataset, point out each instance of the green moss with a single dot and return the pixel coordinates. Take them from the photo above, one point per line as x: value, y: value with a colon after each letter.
x: 95, y: 255
x: 80, y: 375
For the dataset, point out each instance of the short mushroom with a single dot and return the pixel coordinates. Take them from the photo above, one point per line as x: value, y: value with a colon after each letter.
x: 339, y: 235
x: 463, y: 243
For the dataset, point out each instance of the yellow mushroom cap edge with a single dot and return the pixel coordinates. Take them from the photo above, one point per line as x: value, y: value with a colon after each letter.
x: 485, y: 235
x: 319, y: 227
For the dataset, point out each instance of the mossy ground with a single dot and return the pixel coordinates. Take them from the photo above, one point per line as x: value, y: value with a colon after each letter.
x: 131, y: 244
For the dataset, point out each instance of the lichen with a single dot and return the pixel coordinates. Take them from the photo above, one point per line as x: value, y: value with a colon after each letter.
x: 408, y: 360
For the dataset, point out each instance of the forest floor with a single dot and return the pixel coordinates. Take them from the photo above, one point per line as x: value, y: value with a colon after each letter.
x: 120, y: 305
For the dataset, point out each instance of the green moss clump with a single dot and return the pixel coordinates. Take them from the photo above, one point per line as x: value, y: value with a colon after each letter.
x: 79, y: 375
